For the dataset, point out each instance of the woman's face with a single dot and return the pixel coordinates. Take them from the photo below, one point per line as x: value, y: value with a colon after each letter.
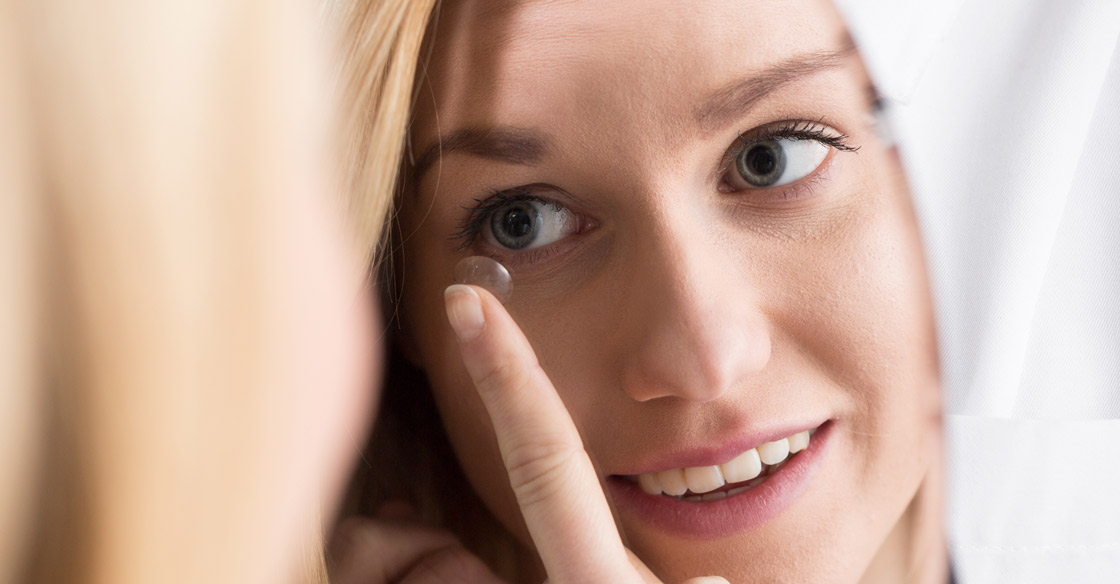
x: 710, y: 248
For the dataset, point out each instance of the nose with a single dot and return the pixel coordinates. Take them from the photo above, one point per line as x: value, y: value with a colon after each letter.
x: 695, y: 319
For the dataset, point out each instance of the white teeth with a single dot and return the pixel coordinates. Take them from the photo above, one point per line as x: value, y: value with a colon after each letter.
x: 753, y: 465
x: 672, y: 482
x: 798, y: 442
x: 702, y: 479
x: 774, y: 452
x: 648, y: 482
x: 745, y: 467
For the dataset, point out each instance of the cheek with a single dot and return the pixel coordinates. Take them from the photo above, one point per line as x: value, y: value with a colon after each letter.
x: 863, y: 311
x: 460, y: 408
x: 858, y: 299
x: 472, y: 438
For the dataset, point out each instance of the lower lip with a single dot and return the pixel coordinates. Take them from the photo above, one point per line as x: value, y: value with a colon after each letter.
x: 742, y: 512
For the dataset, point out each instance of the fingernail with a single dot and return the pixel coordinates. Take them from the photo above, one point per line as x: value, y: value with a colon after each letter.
x: 464, y: 311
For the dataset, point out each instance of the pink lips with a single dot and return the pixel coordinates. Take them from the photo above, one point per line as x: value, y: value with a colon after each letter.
x: 741, y: 512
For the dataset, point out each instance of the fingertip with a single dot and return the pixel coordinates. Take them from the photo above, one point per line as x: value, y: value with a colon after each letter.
x: 464, y: 311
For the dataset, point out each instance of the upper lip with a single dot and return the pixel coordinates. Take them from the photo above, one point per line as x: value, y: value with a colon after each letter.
x: 716, y: 451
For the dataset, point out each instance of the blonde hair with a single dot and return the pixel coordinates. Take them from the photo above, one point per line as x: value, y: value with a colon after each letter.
x: 381, y: 45
x: 148, y: 161
x: 408, y: 456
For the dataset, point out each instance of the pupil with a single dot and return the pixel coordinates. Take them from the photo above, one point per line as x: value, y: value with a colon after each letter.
x: 518, y: 223
x: 762, y: 160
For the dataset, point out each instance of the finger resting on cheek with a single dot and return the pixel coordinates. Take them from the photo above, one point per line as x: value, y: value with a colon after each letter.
x: 528, y: 415
x: 498, y: 357
x: 555, y: 483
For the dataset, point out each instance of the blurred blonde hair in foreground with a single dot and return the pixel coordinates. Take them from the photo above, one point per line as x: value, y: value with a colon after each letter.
x: 161, y: 167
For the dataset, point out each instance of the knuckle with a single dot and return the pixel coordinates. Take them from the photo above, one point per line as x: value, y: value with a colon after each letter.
x: 542, y: 472
x: 507, y: 375
x: 500, y: 373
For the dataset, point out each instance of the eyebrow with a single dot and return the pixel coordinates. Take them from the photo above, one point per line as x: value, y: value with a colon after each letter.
x: 728, y: 104
x: 505, y: 144
x: 524, y: 146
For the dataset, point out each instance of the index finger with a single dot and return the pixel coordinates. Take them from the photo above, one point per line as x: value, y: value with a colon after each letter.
x: 551, y: 474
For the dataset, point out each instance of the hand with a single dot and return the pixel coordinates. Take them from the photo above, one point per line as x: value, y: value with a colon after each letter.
x: 396, y: 547
x: 552, y: 476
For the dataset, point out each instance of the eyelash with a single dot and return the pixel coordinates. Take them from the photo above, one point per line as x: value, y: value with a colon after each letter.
x: 484, y: 207
x: 795, y: 129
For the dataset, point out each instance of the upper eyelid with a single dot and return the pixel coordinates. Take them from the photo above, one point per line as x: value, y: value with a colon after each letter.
x: 797, y: 129
x: 784, y: 129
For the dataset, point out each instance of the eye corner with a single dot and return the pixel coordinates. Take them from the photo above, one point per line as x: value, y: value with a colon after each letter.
x: 465, y: 234
x: 842, y: 143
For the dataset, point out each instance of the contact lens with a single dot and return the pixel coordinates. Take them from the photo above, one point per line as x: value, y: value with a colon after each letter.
x: 487, y: 273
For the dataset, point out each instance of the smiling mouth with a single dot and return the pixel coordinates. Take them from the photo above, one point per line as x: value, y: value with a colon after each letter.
x: 711, y: 483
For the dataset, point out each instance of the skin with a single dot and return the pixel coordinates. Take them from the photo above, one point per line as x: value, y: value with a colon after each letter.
x: 686, y: 310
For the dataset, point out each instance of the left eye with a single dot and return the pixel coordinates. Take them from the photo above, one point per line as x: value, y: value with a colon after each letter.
x: 526, y: 224
x: 775, y: 162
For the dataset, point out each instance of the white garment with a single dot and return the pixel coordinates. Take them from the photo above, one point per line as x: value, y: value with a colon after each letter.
x: 1007, y: 113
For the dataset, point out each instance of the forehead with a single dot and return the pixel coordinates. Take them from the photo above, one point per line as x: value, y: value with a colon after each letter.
x: 524, y: 63
x: 635, y: 82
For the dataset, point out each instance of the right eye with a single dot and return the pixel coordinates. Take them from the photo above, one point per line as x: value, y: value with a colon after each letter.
x: 527, y: 224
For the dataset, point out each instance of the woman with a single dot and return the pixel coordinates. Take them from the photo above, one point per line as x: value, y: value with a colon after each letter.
x: 713, y: 255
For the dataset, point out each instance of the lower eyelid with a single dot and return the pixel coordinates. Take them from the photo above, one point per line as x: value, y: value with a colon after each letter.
x: 522, y: 259
x: 807, y: 185
x: 802, y: 188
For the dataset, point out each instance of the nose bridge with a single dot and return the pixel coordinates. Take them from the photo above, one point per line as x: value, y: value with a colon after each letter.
x: 697, y: 327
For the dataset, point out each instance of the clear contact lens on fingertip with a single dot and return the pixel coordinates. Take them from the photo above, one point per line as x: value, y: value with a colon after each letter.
x: 487, y: 273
